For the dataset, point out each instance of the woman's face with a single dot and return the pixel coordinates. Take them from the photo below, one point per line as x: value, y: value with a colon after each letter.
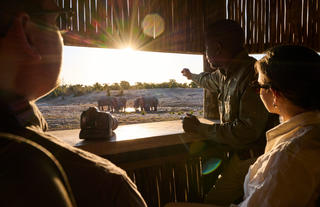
x: 267, y: 95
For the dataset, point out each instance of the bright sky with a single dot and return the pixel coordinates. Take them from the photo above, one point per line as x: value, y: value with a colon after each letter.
x: 83, y: 65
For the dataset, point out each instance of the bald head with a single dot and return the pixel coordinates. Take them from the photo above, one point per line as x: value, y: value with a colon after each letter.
x: 228, y: 32
x: 9, y: 8
x: 224, y: 40
x: 30, y: 47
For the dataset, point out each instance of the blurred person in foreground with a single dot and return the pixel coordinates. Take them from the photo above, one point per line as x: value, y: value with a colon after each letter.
x: 244, y: 120
x: 288, y: 173
x: 30, y: 57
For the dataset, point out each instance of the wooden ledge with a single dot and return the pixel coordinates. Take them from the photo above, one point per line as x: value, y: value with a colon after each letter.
x: 135, y: 137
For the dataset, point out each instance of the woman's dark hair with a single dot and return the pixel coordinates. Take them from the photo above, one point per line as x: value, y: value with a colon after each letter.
x: 295, y: 72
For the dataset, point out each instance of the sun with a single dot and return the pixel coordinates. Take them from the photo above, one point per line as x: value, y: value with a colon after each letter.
x: 128, y: 49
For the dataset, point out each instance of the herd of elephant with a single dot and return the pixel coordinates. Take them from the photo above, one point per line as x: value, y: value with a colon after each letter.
x: 114, y: 104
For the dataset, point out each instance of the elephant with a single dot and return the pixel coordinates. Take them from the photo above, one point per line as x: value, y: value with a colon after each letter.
x: 146, y: 103
x: 108, y: 101
x: 121, y: 104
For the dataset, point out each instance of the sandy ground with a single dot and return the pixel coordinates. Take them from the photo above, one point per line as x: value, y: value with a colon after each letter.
x: 64, y: 112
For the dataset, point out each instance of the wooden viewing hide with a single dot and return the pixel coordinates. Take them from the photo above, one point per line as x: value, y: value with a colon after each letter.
x: 178, y: 25
x: 152, y: 25
x: 272, y: 22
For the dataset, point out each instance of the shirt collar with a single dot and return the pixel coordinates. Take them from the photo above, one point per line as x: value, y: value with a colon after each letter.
x: 26, y: 113
x: 283, y: 129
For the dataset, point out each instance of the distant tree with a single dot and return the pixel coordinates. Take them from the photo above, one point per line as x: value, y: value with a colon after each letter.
x: 125, y: 85
x: 115, y: 86
x: 184, y: 85
x: 139, y: 85
x: 193, y: 85
x: 149, y: 85
x: 97, y: 87
x: 105, y: 86
x: 76, y: 90
x: 163, y: 85
x: 173, y: 83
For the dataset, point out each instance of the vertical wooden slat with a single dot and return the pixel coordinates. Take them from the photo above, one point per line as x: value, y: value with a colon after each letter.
x: 75, y: 17
x: 266, y: 22
x: 250, y: 27
x: 314, y: 18
x: 67, y: 7
x: 229, y: 7
x: 273, y: 28
x: 166, y: 184
x: 87, y: 25
x: 81, y: 16
x: 94, y: 17
x: 61, y: 21
x: 304, y: 22
x: 101, y: 17
x: 262, y: 26
x: 243, y: 16
x: 277, y: 27
x: 257, y: 24
x: 131, y: 20
x: 317, y: 18
x: 237, y: 12
x: 282, y: 22
x: 180, y: 182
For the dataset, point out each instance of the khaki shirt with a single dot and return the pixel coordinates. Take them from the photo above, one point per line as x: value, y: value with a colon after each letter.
x: 288, y: 173
x: 243, y: 116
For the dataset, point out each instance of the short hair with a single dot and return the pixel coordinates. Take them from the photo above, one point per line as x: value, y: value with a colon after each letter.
x: 295, y: 72
x: 8, y: 8
x: 225, y: 30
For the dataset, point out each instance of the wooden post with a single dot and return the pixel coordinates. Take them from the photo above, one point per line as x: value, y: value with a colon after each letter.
x: 214, y: 11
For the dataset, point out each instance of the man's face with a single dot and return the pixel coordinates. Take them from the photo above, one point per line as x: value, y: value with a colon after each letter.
x: 213, y: 51
x: 38, y: 77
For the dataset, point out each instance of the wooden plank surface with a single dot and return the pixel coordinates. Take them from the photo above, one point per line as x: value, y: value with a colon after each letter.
x: 135, y: 137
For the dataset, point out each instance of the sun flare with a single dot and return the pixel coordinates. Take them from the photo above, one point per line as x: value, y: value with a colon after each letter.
x: 128, y: 49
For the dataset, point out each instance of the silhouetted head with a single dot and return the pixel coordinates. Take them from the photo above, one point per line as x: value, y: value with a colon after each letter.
x: 224, y: 40
x: 30, y: 47
x: 293, y: 71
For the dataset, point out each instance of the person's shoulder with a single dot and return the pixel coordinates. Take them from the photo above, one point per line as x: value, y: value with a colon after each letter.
x: 308, y: 137
x: 304, y: 145
x: 69, y: 155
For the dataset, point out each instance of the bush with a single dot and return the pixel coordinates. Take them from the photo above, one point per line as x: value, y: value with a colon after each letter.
x: 79, y: 90
x: 193, y: 85
x: 114, y: 86
x: 97, y: 87
x: 125, y: 85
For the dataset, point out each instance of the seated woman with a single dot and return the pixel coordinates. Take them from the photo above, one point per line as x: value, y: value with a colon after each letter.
x: 288, y: 173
